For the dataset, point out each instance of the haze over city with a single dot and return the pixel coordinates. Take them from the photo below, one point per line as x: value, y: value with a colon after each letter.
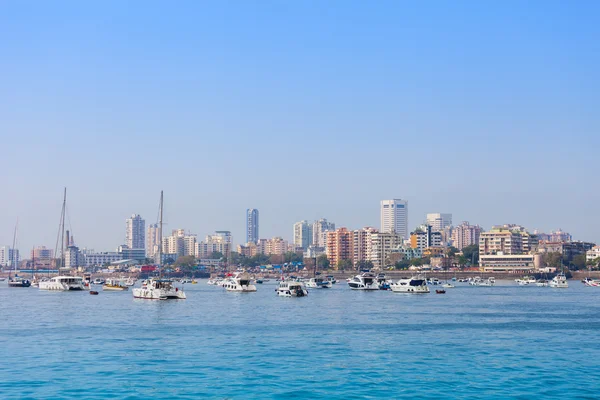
x: 303, y: 111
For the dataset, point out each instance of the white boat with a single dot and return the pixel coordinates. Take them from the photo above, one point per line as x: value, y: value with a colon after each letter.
x: 434, y: 281
x: 98, y: 281
x: 365, y: 281
x: 559, y: 281
x: 2, y: 279
x: 590, y: 282
x: 63, y: 283
x: 526, y: 280
x: 475, y: 281
x: 18, y: 281
x: 447, y: 285
x: 331, y: 279
x: 291, y: 289
x: 130, y: 281
x: 414, y: 285
x: 158, y: 289
x: 114, y: 285
x: 318, y: 283
x: 240, y: 282
x: 542, y: 283
x: 491, y: 281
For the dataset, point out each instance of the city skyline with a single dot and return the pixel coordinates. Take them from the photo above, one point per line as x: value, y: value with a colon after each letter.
x: 111, y: 111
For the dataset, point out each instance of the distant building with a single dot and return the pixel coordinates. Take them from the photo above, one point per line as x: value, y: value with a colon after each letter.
x: 101, y: 259
x: 339, y: 246
x: 9, y: 257
x: 252, y: 225
x: 303, y: 234
x: 131, y: 254
x: 314, y: 251
x: 508, y: 262
x: 508, y: 248
x: 320, y: 229
x: 439, y: 221
x: 153, y: 236
x: 556, y: 236
x: 361, y: 244
x: 394, y: 217
x: 592, y: 253
x: 465, y: 235
x: 381, y: 246
x: 220, y: 242
x: 42, y: 257
x: 135, y: 231
x: 276, y: 246
x: 424, y: 237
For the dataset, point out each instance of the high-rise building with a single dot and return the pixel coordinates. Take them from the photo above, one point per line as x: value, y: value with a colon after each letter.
x: 339, y: 246
x: 219, y: 242
x: 303, y: 234
x: 425, y: 237
x: 9, y: 257
x: 394, y: 217
x: 42, y: 257
x: 381, y: 246
x: 252, y: 225
x: 439, y: 221
x: 135, y: 231
x: 320, y: 229
x: 361, y: 244
x: 465, y: 235
x: 153, y: 236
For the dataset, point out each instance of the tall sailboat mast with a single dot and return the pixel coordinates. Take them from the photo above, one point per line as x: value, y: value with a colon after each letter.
x: 62, y: 229
x: 160, y: 230
x: 12, y: 256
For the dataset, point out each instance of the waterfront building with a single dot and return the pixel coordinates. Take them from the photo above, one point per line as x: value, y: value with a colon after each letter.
x: 73, y: 257
x: 339, y: 246
x: 592, y: 253
x: 100, y: 259
x: 220, y: 242
x: 9, y: 257
x: 439, y: 221
x: 135, y: 231
x: 508, y: 262
x: 500, y: 240
x: 407, y: 252
x: 394, y: 217
x: 381, y: 246
x: 361, y: 244
x: 314, y: 251
x: 153, y: 239
x: 131, y: 254
x: 303, y: 234
x: 252, y: 225
x: 276, y: 246
x: 465, y: 235
x: 320, y: 229
x: 42, y: 257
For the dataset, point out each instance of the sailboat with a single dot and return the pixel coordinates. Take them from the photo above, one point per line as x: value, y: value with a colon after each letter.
x: 63, y: 283
x: 318, y: 282
x: 158, y: 289
x: 16, y: 281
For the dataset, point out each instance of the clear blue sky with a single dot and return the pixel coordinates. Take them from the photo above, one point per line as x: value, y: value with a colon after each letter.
x: 307, y: 109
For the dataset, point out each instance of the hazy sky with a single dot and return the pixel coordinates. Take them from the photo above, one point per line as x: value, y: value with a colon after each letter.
x: 302, y: 109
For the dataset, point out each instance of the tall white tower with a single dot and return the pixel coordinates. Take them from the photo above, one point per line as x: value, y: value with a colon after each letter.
x: 135, y: 232
x: 394, y: 217
x: 439, y: 221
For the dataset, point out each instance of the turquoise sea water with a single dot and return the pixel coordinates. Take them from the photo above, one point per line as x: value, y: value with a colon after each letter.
x: 472, y: 342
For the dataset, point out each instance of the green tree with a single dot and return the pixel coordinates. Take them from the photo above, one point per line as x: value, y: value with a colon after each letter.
x: 578, y: 262
x: 365, y: 265
x: 471, y: 253
x: 344, y: 264
x: 416, y: 262
x: 452, y: 251
x: 290, y: 256
x: 552, y: 260
x: 402, y: 264
x: 216, y: 255
x: 322, y: 262
x: 185, y: 261
x: 462, y: 260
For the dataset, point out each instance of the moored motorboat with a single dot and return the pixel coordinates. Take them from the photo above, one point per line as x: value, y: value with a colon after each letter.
x: 447, y: 285
x: 239, y: 282
x: 364, y: 281
x: 291, y: 289
x: 414, y: 285
x: 63, y: 283
x: 318, y: 283
x: 18, y: 281
x: 559, y: 281
x: 158, y: 289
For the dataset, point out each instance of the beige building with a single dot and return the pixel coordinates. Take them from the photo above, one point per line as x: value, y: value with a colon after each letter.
x: 381, y: 246
x: 361, y: 244
x: 465, y: 235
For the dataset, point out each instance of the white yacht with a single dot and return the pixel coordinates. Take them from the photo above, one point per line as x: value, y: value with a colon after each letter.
x: 130, y: 281
x: 318, y: 283
x: 526, y: 280
x: 63, y: 283
x: 291, y: 289
x: 365, y: 281
x: 414, y: 285
x: 559, y: 281
x: 240, y: 282
x: 491, y: 281
x: 18, y: 281
x: 158, y: 289
x: 98, y: 281
x: 541, y: 283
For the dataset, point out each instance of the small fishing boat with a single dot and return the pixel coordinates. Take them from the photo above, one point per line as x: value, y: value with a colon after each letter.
x: 559, y: 281
x: 93, y: 292
x: 438, y: 291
